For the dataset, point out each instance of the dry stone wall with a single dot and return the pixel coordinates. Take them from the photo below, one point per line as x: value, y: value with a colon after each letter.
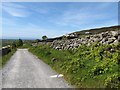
x: 5, y: 50
x: 109, y: 37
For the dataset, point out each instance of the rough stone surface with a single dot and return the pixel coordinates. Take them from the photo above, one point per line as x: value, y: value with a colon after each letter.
x: 109, y: 37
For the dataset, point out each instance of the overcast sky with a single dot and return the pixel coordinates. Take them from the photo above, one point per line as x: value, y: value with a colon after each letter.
x: 35, y: 19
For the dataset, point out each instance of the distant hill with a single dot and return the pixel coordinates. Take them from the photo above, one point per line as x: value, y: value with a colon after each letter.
x: 6, y: 42
x: 86, y: 32
x: 98, y: 30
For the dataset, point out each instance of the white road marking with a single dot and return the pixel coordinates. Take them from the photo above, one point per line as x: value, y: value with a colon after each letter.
x: 55, y: 76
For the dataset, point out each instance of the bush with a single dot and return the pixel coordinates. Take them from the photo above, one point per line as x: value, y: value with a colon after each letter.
x: 19, y: 43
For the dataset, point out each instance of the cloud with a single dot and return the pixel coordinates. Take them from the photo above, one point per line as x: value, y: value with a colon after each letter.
x: 15, y: 9
x: 84, y: 15
x: 8, y: 22
x: 53, y: 20
x: 30, y: 31
x: 41, y: 11
x: 38, y: 31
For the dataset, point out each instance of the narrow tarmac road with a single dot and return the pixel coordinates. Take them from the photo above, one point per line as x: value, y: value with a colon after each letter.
x: 24, y: 70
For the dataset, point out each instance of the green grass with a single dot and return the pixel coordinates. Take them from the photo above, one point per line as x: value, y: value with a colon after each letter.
x: 4, y: 59
x: 86, y: 67
x: 0, y: 62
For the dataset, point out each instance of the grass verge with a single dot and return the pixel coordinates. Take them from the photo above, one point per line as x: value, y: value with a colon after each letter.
x: 96, y: 66
x: 5, y: 58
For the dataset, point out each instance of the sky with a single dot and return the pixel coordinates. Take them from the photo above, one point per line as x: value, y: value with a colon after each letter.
x: 32, y: 20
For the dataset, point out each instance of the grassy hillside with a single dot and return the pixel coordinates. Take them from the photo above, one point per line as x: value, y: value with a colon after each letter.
x: 96, y: 66
x: 98, y: 30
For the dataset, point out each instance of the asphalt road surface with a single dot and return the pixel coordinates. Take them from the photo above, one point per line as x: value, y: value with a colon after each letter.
x: 24, y: 70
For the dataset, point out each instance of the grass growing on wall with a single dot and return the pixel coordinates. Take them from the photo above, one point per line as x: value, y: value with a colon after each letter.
x: 6, y: 57
x: 95, y: 66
